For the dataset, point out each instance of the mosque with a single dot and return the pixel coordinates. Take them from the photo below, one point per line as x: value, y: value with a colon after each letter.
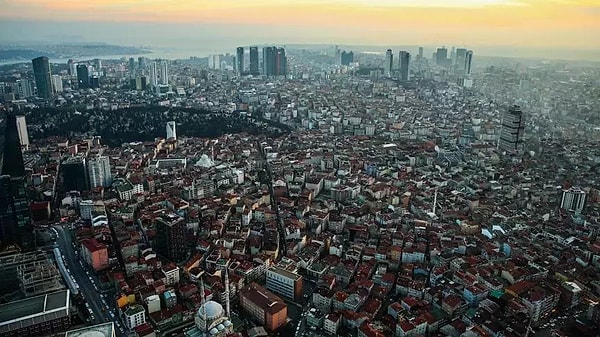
x: 211, y: 320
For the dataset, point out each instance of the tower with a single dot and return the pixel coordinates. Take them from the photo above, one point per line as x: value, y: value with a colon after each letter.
x: 83, y: 76
x: 171, y: 131
x: 164, y: 73
x: 511, y: 133
x: 153, y: 75
x: 388, y: 64
x: 573, y: 199
x: 15, y: 216
x: 239, y: 58
x: 280, y: 62
x: 459, y: 64
x: 227, y: 291
x: 203, y: 298
x: 269, y: 56
x: 99, y: 172
x: 468, y: 60
x: 441, y: 56
x: 404, y: 60
x: 254, y: 61
x: 131, y: 66
x: 57, y: 83
x: 22, y: 131
x: 41, y: 72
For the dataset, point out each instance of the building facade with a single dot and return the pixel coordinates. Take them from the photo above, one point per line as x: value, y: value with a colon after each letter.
x: 511, y: 133
x: 43, y: 76
x: 573, y: 199
x: 264, y: 306
x: 284, y: 283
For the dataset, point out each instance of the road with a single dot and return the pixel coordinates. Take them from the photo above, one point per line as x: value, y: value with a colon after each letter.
x: 86, y: 288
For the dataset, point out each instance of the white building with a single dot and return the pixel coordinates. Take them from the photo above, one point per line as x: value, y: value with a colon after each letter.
x: 22, y: 130
x: 24, y: 88
x: 57, y: 84
x: 153, y: 75
x: 153, y: 303
x: 99, y: 172
x: 164, y: 73
x: 171, y: 272
x: 135, y: 315
x: 85, y: 209
x: 284, y: 283
x: 573, y: 199
x: 388, y: 64
x: 171, y: 130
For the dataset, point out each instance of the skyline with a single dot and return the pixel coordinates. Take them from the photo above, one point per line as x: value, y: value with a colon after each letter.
x: 533, y: 24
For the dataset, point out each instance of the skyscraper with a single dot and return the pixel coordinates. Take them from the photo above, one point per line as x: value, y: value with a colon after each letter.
x: 347, y: 58
x: 420, y: 55
x: 164, y: 72
x: 131, y: 65
x: 72, y: 67
x: 83, y: 76
x: 280, y: 62
x: 15, y: 216
x: 511, y: 133
x: 459, y: 64
x: 41, y: 72
x: 404, y: 60
x: 239, y: 59
x: 171, y: 130
x: 388, y: 64
x: 74, y: 173
x: 153, y: 75
x: 441, y: 56
x: 468, y: 60
x: 57, y: 84
x: 142, y: 63
x: 269, y: 57
x: 99, y: 172
x: 22, y: 131
x: 573, y: 199
x: 254, y: 61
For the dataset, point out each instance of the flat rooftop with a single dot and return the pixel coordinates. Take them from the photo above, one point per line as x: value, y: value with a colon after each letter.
x: 99, y: 330
x: 22, y: 313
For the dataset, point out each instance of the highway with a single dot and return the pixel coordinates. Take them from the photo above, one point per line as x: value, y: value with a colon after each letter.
x: 86, y: 288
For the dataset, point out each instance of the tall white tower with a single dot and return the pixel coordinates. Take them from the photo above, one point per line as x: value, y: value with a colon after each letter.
x: 171, y: 132
x: 22, y: 131
x: 164, y: 72
x: 227, y: 292
x: 153, y: 75
x: 388, y: 64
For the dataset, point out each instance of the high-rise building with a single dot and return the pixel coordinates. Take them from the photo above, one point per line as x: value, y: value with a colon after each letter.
x: 441, y: 57
x: 57, y: 84
x: 164, y: 73
x: 169, y: 240
x: 142, y: 63
x: 131, y: 65
x: 83, y: 76
x: 459, y: 63
x: 153, y: 75
x: 268, y: 61
x: 22, y: 131
x: 347, y: 58
x: 74, y: 174
x: 99, y: 172
x: 24, y: 88
x: 171, y: 130
x: 388, y: 64
x: 254, y: 61
x: 214, y: 62
x: 573, y: 199
x: 452, y: 55
x: 72, y: 67
x: 98, y: 65
x: 404, y: 61
x: 420, y: 55
x: 15, y: 215
x: 280, y: 62
x: 239, y: 59
x: 511, y: 134
x: 41, y: 72
x: 468, y: 60
x: 95, y: 80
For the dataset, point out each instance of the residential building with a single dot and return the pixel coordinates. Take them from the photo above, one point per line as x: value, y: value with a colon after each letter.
x: 511, y: 133
x: 99, y: 172
x: 170, y: 236
x: 135, y: 315
x: 264, y: 306
x: 573, y: 199
x: 94, y: 253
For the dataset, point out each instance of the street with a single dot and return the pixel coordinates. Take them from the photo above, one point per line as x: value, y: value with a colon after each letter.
x: 86, y: 288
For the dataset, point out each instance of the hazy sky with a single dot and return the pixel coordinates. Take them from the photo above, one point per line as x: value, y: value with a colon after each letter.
x: 535, y: 23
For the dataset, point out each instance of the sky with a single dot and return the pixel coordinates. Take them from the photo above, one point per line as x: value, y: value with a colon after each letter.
x: 543, y: 24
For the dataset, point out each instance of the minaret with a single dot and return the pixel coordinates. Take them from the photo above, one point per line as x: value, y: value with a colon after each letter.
x: 227, y: 292
x: 203, y: 294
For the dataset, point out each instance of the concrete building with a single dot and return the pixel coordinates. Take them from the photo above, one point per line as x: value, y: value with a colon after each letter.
x: 36, y: 316
x: 99, y: 172
x: 153, y: 303
x: 135, y: 315
x: 264, y: 306
x: 171, y: 272
x: 171, y: 130
x: 388, y: 64
x: 573, y: 199
x: 94, y: 253
x: 404, y: 63
x: 284, y: 283
x: 511, y: 133
x: 170, y: 236
x: 22, y: 131
x: 43, y: 76
x: 74, y: 173
x: 57, y: 84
